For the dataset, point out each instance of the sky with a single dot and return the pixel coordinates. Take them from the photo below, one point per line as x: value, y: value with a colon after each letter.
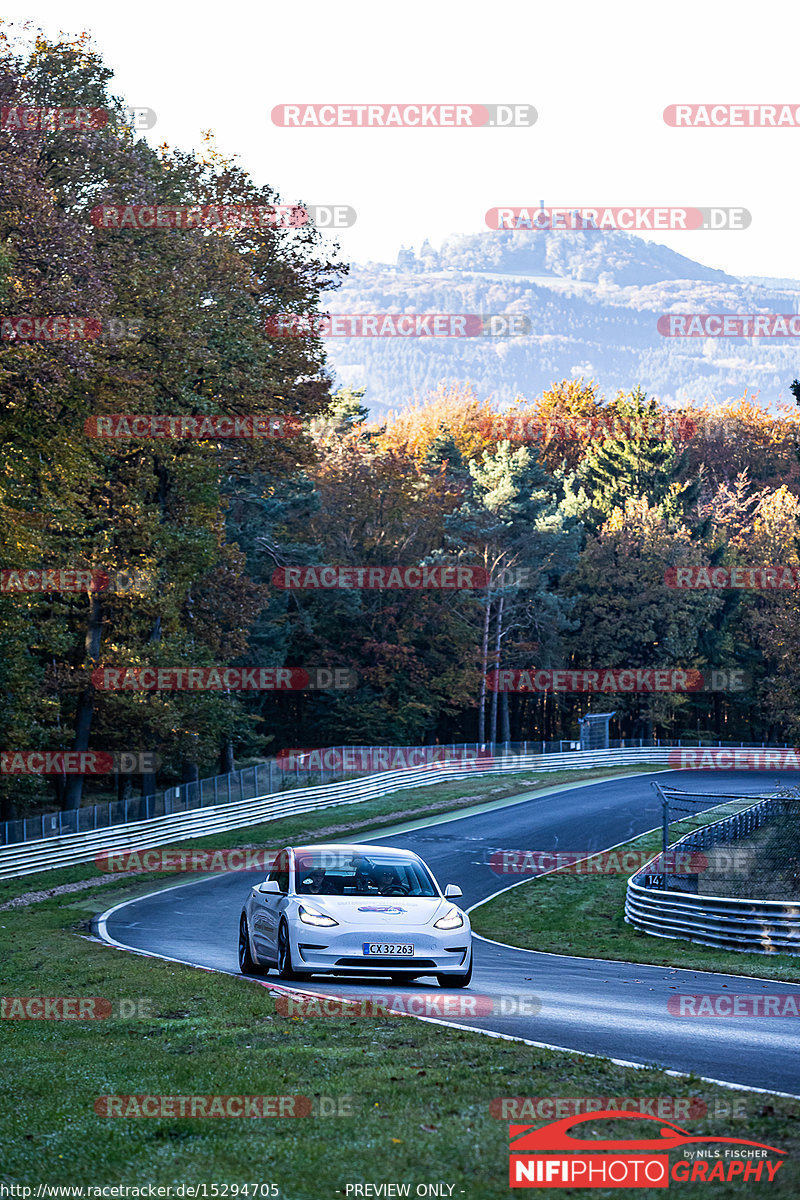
x: 598, y: 75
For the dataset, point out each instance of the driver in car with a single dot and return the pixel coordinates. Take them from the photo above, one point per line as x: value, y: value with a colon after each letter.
x: 385, y: 880
x: 311, y: 880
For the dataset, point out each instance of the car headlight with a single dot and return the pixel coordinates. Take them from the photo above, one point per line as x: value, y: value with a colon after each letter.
x: 452, y: 919
x: 310, y: 916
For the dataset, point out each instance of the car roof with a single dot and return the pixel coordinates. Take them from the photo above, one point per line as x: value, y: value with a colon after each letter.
x: 355, y: 848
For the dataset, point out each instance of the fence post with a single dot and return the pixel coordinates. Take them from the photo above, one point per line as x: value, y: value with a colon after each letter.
x: 664, y: 836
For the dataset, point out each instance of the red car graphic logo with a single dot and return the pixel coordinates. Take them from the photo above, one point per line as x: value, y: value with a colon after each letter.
x: 555, y: 1136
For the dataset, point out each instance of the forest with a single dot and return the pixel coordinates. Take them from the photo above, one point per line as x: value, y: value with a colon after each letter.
x: 464, y: 536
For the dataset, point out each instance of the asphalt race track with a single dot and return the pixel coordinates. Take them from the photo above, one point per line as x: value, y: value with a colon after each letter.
x: 612, y: 1009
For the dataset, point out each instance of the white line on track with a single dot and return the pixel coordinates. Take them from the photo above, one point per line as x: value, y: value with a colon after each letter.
x: 105, y: 937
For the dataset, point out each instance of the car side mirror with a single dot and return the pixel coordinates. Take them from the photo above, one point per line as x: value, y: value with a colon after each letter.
x: 452, y: 890
x: 269, y: 887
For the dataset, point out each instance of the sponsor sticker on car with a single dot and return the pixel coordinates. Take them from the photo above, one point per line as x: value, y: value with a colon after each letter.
x: 391, y: 909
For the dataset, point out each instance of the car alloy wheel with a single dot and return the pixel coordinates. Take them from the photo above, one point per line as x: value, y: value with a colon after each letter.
x: 247, y: 964
x: 285, y: 965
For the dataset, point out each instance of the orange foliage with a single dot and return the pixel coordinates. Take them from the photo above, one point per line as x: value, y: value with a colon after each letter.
x: 743, y: 436
x: 561, y: 424
x: 452, y: 409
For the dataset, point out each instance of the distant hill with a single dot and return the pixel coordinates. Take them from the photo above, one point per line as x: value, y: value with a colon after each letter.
x: 593, y: 300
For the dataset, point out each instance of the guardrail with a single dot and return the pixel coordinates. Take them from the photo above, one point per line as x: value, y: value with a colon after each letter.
x: 265, y: 778
x: 724, y: 922
x: 259, y: 779
x: 25, y: 858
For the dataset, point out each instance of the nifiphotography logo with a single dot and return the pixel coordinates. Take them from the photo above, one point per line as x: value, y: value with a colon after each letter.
x: 551, y: 1156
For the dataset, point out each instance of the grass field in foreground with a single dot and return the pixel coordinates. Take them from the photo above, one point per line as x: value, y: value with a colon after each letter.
x: 584, y: 915
x: 419, y: 1094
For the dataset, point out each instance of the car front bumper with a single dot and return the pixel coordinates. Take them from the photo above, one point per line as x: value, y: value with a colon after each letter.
x: 341, y: 949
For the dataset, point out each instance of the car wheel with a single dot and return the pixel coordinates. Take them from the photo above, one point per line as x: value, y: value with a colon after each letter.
x: 285, y: 965
x: 247, y: 964
x: 456, y: 981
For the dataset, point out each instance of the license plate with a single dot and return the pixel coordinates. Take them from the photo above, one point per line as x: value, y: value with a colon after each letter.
x: 380, y: 948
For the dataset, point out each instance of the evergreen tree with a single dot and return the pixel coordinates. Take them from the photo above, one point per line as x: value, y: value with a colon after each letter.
x: 634, y: 460
x: 514, y: 520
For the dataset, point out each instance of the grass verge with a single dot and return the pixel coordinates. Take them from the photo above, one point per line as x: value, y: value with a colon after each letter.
x: 584, y: 915
x: 418, y: 1095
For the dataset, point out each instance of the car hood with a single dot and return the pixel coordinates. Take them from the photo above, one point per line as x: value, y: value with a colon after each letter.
x: 379, y: 912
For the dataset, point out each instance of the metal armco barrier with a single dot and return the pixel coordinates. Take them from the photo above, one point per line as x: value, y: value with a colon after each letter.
x: 25, y: 858
x: 724, y: 922
x: 329, y: 765
x: 263, y: 779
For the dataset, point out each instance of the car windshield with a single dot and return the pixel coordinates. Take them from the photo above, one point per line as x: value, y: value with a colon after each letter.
x: 332, y: 873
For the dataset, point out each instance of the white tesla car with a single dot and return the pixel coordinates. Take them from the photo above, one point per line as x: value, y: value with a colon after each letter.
x: 355, y: 910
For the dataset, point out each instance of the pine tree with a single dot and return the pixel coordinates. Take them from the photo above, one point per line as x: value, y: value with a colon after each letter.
x: 514, y: 520
x: 636, y: 460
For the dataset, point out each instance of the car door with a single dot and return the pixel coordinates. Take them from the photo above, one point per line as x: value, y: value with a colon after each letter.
x: 269, y: 907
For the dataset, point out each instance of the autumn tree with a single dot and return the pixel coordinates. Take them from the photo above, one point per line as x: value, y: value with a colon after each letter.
x: 627, y: 614
x: 200, y: 297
